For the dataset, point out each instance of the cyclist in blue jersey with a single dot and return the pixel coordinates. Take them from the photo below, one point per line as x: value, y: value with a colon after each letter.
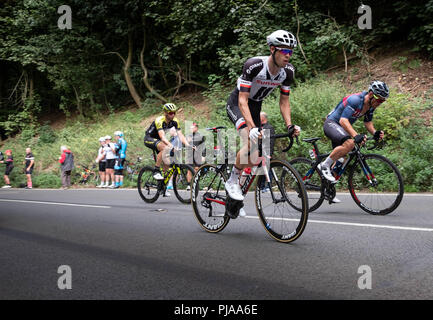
x: 338, y: 124
x: 120, y: 160
x: 260, y: 75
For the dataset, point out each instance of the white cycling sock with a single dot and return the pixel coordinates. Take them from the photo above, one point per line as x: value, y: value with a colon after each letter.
x: 328, y: 162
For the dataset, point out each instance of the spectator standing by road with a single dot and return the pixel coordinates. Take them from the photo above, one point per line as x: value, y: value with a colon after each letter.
x: 66, y: 161
x: 110, y: 156
x: 121, y: 147
x: 9, y: 166
x: 29, y: 164
x: 101, y: 162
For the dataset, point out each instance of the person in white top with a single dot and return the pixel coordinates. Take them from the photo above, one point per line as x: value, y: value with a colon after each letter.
x: 102, y: 162
x: 110, y: 157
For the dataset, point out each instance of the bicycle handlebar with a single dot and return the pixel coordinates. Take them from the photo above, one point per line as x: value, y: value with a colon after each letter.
x: 286, y: 135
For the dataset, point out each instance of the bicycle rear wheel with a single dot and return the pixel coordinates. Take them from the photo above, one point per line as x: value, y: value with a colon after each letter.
x: 377, y: 187
x: 181, y: 186
x: 208, y: 198
x: 283, y: 210
x: 148, y: 187
x: 312, y: 181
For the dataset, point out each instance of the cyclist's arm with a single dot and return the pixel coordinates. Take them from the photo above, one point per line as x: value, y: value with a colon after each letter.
x: 30, y: 165
x: 370, y: 127
x: 162, y: 137
x: 285, y: 109
x: 245, y: 109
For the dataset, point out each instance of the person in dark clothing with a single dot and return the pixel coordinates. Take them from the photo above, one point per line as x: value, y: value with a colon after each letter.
x: 9, y: 166
x: 29, y: 164
x: 195, y: 158
x: 66, y: 161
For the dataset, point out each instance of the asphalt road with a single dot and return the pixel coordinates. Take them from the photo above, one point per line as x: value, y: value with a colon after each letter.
x: 118, y: 247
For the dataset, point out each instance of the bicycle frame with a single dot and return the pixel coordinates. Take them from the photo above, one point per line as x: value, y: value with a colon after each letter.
x: 249, y: 179
x: 355, y: 153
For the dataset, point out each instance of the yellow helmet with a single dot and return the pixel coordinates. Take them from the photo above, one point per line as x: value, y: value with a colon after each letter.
x: 169, y: 107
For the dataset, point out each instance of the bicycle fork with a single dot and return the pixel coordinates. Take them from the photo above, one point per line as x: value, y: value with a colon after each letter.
x: 367, y: 172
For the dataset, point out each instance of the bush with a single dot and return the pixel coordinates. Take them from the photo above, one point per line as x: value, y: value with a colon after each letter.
x: 47, y: 135
x: 47, y: 180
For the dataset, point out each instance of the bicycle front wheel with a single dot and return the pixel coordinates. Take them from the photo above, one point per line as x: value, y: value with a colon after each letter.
x: 148, y: 187
x: 312, y: 181
x: 282, y: 205
x: 182, y: 177
x: 376, y: 185
x: 209, y: 197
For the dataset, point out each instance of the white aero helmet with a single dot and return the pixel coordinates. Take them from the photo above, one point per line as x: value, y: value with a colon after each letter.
x: 107, y: 137
x: 102, y: 139
x: 281, y: 38
x: 118, y: 133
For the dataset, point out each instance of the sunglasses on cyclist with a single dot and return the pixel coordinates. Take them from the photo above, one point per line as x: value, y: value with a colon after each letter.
x: 379, y: 98
x: 171, y: 113
x: 285, y: 51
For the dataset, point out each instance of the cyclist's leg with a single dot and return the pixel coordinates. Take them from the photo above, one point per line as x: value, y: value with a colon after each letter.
x: 341, y: 142
x: 153, y: 143
x: 243, y: 157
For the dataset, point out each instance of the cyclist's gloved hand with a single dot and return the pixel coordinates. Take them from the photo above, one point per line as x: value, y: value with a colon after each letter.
x: 377, y: 135
x: 254, y: 134
x: 359, y: 138
x: 293, y: 130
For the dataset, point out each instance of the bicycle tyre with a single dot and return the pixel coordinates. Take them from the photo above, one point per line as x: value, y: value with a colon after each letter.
x: 180, y: 183
x: 365, y: 195
x: 148, y: 187
x: 313, y: 185
x: 278, y: 220
x: 209, y: 181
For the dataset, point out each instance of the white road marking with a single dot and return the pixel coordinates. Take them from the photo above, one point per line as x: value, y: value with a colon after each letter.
x: 56, y: 203
x: 354, y: 224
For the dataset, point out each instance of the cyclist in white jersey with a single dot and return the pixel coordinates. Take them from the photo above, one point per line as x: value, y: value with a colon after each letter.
x: 260, y: 75
x: 110, y: 156
x: 101, y: 162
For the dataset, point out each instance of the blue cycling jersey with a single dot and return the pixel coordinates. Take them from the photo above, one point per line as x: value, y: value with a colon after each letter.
x: 122, y: 145
x: 350, y: 107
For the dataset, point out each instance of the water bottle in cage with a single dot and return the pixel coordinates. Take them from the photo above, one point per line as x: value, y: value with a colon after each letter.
x: 312, y: 154
x: 245, y: 173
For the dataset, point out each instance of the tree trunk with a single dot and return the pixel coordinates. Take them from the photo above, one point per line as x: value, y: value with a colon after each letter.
x: 77, y: 97
x: 126, y: 67
x: 145, y: 73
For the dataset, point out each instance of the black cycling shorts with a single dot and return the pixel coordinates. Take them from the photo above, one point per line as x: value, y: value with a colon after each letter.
x: 8, y: 169
x: 102, y: 165
x: 30, y: 171
x: 335, y: 132
x: 151, y: 143
x: 110, y: 163
x: 235, y: 114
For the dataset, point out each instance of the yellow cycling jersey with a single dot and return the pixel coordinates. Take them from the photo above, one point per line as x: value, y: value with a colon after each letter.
x: 161, y: 124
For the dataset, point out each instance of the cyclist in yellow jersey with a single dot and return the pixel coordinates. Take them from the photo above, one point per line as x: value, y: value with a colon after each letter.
x: 155, y: 136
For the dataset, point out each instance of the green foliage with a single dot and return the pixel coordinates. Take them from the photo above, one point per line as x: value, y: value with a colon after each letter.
x: 47, y: 180
x: 47, y: 135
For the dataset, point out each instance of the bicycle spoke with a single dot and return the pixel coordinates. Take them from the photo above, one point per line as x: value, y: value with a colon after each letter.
x: 284, y: 210
x: 376, y: 186
x: 208, y: 198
